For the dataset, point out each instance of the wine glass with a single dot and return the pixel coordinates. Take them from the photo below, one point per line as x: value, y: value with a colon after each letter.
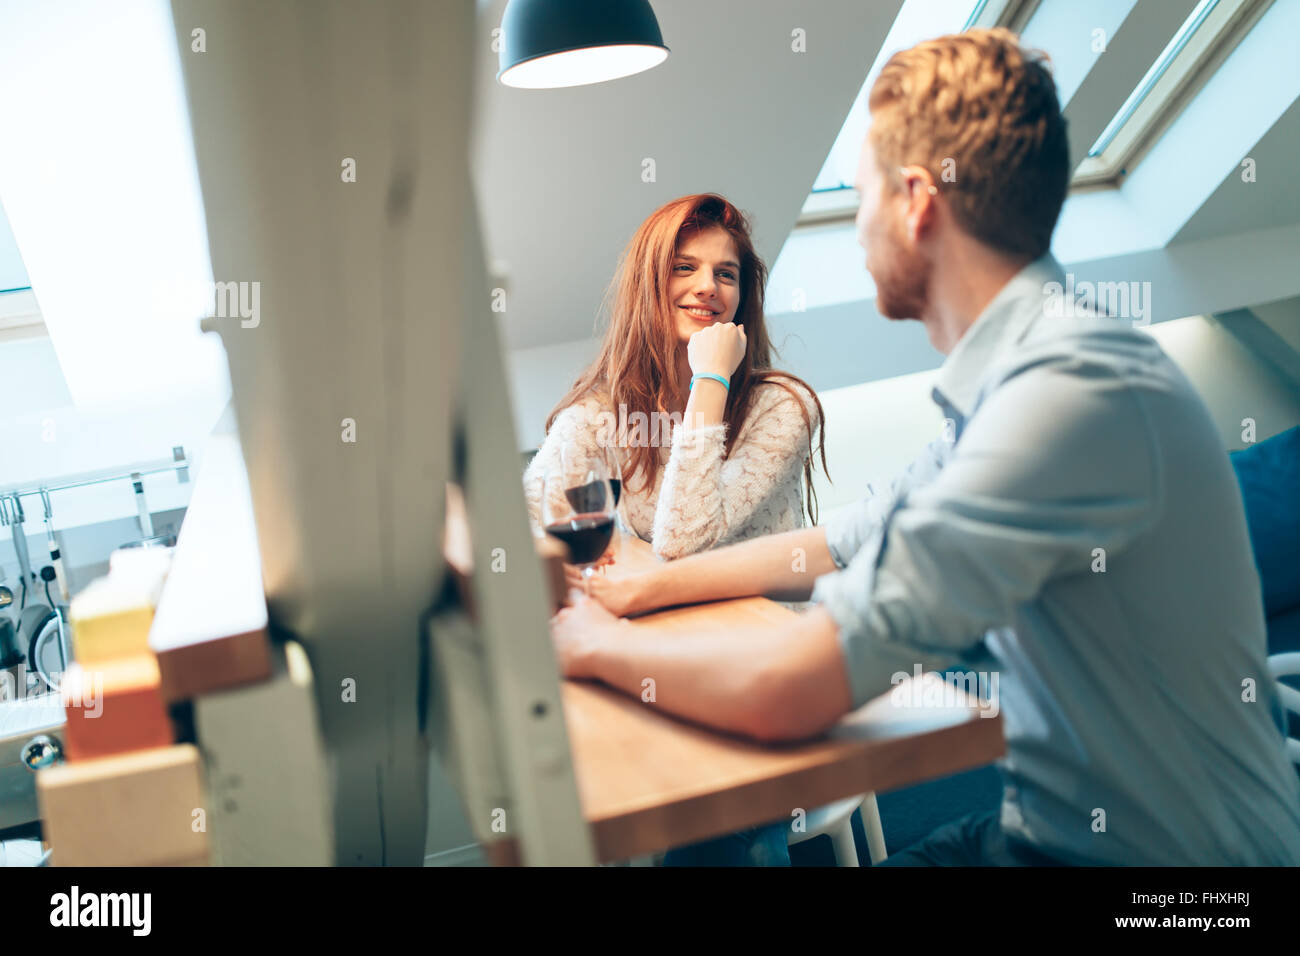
x: 578, y: 509
x: 615, y: 472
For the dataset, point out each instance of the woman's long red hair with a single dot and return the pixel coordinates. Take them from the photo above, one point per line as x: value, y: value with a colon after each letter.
x: 637, y: 366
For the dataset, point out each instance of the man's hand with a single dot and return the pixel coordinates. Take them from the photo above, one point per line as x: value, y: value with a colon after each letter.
x: 576, y: 631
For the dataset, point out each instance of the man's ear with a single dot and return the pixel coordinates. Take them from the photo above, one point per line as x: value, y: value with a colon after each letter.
x: 920, y: 193
x: 920, y: 212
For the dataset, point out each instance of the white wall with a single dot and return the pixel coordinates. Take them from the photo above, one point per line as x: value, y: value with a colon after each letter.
x: 1283, y: 318
x: 873, y: 431
x: 1234, y: 384
x: 539, y: 377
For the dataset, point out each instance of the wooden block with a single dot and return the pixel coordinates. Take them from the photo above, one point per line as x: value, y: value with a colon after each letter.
x: 135, y: 809
x: 113, y: 707
x: 110, y: 620
x: 272, y: 804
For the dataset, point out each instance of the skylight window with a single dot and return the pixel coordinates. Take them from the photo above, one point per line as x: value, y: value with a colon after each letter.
x: 1153, y: 75
x: 1197, y: 48
x: 833, y: 195
x: 13, y: 275
x: 113, y: 239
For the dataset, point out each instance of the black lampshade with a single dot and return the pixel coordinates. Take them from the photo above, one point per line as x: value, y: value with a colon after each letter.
x: 553, y: 43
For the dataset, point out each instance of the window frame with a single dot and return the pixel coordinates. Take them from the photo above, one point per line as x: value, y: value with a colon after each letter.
x: 1186, y: 71
x: 20, y: 315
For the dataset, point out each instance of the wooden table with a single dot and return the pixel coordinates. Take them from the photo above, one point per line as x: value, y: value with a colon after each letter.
x: 649, y: 781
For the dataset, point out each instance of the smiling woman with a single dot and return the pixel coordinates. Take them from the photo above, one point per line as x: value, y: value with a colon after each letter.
x: 704, y: 285
x: 687, y: 343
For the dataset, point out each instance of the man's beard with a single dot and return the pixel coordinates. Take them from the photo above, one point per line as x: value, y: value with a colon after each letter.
x: 903, y: 281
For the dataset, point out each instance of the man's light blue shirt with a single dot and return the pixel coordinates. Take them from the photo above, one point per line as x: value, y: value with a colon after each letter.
x: 1080, y: 531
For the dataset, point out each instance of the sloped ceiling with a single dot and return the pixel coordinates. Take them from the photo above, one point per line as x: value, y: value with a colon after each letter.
x: 1271, y: 198
x: 734, y: 110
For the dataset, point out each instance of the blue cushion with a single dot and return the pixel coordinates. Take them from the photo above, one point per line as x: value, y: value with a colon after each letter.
x: 1269, y: 475
x: 1284, y: 632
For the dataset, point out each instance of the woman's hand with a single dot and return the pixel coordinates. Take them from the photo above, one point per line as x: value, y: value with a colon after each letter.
x: 573, y: 573
x: 716, y: 350
x: 617, y: 595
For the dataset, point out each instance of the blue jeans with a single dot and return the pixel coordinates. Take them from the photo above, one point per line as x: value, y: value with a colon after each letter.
x: 760, y: 846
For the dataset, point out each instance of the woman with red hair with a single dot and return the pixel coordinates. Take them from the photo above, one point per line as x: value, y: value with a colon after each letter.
x: 687, y: 346
x: 712, y: 441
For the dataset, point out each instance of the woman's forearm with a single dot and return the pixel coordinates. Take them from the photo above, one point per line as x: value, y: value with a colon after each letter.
x: 707, y: 404
x: 780, y: 566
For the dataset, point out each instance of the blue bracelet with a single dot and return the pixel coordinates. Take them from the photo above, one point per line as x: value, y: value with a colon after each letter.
x: 716, y: 378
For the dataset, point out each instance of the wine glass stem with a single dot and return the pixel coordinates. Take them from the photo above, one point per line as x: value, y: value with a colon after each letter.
x: 587, y: 572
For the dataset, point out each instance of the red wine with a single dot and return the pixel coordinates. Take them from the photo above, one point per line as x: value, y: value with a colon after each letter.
x: 590, y: 498
x: 586, y: 535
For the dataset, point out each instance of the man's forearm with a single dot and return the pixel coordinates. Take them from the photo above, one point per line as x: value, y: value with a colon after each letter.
x: 779, y: 682
x: 780, y: 566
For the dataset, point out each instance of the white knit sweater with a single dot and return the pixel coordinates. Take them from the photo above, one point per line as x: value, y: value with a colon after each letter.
x: 698, y: 499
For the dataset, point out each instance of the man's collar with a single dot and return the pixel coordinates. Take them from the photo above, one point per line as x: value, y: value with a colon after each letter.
x: 997, y: 329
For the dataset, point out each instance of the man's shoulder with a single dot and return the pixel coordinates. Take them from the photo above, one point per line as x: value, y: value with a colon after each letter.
x: 1084, y: 349
x: 1089, y: 332
x: 1093, y: 382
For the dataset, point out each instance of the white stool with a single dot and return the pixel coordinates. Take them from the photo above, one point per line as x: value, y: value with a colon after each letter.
x: 836, y: 819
